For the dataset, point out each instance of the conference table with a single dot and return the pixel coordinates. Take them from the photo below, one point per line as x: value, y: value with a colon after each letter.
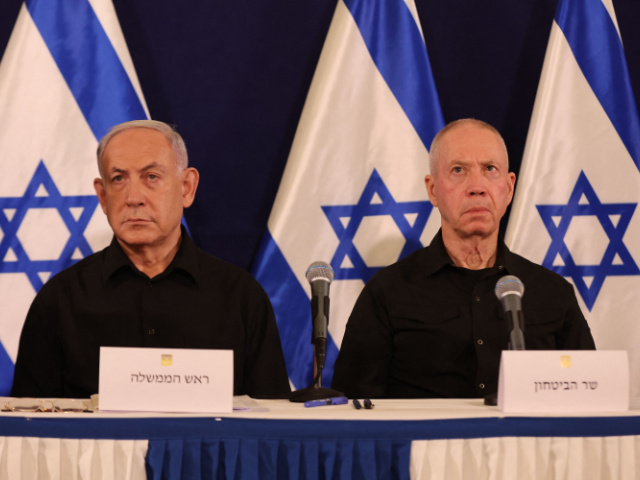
x: 263, y: 439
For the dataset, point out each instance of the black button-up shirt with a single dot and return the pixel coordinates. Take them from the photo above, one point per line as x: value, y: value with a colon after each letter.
x: 199, y: 301
x: 423, y: 327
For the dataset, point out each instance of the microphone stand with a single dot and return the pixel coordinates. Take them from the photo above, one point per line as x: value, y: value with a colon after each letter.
x: 315, y: 391
x: 516, y: 342
x: 509, y: 290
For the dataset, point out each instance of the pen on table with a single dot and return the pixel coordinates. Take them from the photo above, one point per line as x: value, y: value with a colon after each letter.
x: 368, y: 405
x: 326, y: 401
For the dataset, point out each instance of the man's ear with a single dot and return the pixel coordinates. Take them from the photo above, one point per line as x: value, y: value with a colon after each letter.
x: 190, y: 180
x: 430, y: 183
x: 98, y: 185
x: 512, y: 184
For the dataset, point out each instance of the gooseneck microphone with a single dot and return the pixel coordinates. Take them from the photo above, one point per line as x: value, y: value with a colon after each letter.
x: 320, y: 275
x: 509, y: 291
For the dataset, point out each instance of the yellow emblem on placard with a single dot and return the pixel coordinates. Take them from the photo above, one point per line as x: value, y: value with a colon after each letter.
x: 565, y: 361
x: 166, y: 360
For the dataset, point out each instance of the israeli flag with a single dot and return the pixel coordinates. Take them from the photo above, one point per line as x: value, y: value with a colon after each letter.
x: 352, y: 193
x: 575, y: 205
x: 66, y: 77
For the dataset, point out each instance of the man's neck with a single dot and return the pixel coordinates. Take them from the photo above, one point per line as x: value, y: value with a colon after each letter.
x: 473, y: 252
x: 152, y: 260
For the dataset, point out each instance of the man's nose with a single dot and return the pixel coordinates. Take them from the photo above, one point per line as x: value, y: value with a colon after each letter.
x: 476, y: 183
x: 135, y: 193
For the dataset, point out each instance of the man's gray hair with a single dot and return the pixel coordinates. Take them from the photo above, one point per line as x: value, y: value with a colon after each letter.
x: 434, y: 151
x: 175, y: 140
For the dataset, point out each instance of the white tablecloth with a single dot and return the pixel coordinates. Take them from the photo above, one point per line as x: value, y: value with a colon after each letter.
x: 527, y: 458
x: 23, y: 458
x: 447, y: 439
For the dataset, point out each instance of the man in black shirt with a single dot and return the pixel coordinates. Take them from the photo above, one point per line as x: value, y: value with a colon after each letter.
x: 430, y: 325
x: 152, y: 287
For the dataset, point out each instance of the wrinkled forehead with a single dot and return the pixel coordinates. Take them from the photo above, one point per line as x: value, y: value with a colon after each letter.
x: 471, y: 142
x: 137, y: 145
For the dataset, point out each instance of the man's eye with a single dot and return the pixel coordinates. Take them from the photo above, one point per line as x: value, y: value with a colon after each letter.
x: 117, y: 179
x: 457, y: 169
x: 491, y: 168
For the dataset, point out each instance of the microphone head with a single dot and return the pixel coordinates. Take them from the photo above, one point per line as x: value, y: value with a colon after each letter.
x: 320, y: 271
x: 507, y: 285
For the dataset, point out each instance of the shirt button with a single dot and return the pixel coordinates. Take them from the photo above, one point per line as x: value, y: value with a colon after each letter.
x: 480, y: 342
x: 151, y: 331
x: 481, y: 385
x: 477, y: 299
x: 500, y: 267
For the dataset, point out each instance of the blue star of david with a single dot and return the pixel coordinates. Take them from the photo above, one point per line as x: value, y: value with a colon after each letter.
x: 19, y: 206
x: 366, y: 208
x: 624, y: 265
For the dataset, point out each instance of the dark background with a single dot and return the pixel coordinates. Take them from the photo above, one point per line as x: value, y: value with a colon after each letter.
x: 233, y: 77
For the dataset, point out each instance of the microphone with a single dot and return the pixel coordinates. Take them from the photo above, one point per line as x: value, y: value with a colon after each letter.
x: 509, y: 290
x: 320, y: 275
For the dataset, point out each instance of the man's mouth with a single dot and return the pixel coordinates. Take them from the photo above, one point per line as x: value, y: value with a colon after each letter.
x: 476, y: 210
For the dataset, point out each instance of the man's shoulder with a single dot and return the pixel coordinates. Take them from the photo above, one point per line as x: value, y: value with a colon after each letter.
x: 531, y: 273
x: 210, y: 262
x: 214, y: 268
x: 88, y: 263
x: 404, y: 269
x: 80, y: 273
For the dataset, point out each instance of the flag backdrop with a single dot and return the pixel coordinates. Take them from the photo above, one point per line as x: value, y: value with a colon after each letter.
x: 575, y: 205
x: 65, y: 78
x: 352, y: 193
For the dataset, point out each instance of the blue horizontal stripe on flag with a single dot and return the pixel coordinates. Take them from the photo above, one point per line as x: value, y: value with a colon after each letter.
x: 398, y: 50
x: 293, y: 314
x: 597, y: 47
x: 88, y: 62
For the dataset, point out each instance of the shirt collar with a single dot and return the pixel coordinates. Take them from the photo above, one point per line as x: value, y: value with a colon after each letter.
x: 437, y: 256
x: 186, y: 260
x: 509, y: 261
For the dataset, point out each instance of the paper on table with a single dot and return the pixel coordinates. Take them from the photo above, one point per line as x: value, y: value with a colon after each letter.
x: 244, y: 403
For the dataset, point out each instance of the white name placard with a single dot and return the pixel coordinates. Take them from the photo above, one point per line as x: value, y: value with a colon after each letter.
x: 166, y: 380
x: 563, y: 381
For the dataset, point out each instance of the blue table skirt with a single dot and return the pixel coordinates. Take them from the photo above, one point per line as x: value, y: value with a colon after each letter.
x: 238, y: 448
x: 273, y: 458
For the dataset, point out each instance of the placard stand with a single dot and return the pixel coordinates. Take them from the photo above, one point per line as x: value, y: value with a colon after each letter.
x: 563, y: 381
x: 165, y: 380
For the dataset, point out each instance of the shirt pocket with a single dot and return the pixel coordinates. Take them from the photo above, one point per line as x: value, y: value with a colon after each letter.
x: 541, y: 327
x: 425, y: 315
x: 429, y: 334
